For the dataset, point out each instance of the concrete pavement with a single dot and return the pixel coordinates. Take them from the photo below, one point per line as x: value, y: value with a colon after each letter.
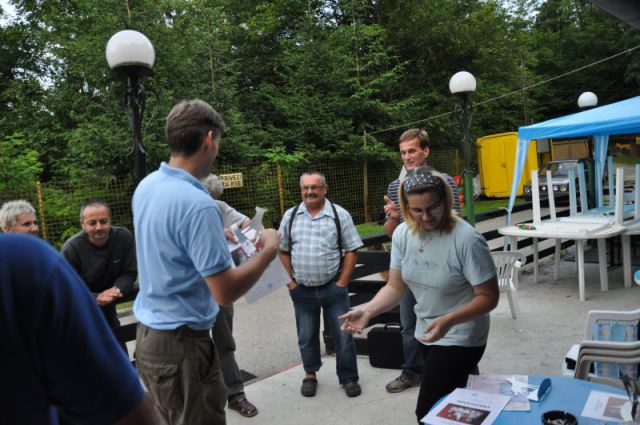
x: 552, y: 318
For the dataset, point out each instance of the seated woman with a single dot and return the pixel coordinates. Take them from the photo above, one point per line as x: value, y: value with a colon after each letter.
x: 447, y: 265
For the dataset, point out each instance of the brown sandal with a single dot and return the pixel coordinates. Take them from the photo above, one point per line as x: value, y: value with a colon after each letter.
x: 243, y: 406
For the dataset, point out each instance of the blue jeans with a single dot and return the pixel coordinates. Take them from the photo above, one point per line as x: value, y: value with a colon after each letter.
x: 413, y: 364
x: 334, y: 301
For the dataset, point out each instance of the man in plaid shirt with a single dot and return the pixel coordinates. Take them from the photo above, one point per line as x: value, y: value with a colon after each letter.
x: 311, y: 248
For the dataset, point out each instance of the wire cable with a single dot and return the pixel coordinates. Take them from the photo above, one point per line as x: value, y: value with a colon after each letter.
x: 510, y: 93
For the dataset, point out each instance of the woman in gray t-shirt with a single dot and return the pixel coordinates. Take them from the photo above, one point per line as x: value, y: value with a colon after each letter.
x: 447, y: 265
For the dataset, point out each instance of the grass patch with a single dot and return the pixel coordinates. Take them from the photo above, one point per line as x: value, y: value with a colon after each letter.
x: 368, y: 229
x: 485, y: 205
x: 124, y: 306
x: 626, y: 160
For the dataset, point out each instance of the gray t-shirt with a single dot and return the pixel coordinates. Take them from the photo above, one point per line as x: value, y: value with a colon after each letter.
x: 441, y: 270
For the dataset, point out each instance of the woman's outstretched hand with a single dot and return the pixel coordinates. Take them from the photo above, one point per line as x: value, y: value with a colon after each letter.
x: 436, y: 330
x: 354, y: 321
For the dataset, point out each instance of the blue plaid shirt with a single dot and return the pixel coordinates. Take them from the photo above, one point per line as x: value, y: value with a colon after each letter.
x: 314, y: 252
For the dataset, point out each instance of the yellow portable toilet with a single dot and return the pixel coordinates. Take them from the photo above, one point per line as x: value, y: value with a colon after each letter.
x: 496, y: 160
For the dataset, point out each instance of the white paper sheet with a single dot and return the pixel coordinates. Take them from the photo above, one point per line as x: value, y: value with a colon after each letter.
x: 604, y: 406
x: 274, y: 277
x: 498, y: 384
x: 467, y: 407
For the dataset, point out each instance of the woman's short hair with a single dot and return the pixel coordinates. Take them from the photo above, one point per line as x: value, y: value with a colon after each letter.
x: 424, y: 180
x: 11, y: 210
x: 214, y: 185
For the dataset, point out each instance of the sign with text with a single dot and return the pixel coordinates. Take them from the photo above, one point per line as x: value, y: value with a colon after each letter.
x: 231, y: 180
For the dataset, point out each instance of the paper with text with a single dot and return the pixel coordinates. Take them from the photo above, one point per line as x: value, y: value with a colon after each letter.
x: 604, y: 406
x: 467, y: 407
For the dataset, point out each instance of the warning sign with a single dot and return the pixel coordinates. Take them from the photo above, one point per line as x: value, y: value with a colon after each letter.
x: 231, y: 180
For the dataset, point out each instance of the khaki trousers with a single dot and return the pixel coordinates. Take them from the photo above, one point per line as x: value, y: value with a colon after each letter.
x: 180, y: 368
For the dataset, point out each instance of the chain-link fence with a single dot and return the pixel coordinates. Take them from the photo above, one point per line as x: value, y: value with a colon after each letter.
x: 358, y: 186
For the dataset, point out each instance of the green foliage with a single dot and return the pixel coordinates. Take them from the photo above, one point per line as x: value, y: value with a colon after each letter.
x: 297, y: 81
x: 19, y: 165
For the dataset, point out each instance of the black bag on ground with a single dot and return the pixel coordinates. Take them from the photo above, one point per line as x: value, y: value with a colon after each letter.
x: 384, y: 344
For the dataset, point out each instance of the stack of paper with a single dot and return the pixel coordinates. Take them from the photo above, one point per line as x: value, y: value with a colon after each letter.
x: 465, y: 406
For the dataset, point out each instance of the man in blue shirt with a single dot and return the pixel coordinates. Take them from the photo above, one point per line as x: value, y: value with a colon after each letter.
x: 185, y: 273
x: 314, y: 234
x: 57, y: 353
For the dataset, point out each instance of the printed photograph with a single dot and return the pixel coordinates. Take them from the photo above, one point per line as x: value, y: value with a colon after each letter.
x: 463, y: 414
x: 238, y: 256
x: 612, y: 410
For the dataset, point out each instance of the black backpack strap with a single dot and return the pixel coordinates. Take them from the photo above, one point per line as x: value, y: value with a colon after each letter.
x: 339, y: 230
x: 293, y: 216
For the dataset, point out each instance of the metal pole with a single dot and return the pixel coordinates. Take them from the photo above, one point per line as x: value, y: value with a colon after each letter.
x: 465, y: 121
x: 43, y: 221
x: 280, y: 189
x: 365, y: 178
x: 135, y: 93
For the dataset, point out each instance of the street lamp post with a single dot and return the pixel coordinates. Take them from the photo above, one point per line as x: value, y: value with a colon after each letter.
x: 588, y: 100
x: 463, y: 84
x: 130, y: 53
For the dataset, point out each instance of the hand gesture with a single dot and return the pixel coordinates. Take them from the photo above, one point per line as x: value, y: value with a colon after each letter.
x: 108, y: 296
x: 354, y: 321
x: 436, y: 330
x: 270, y: 239
x: 390, y: 209
x: 228, y: 233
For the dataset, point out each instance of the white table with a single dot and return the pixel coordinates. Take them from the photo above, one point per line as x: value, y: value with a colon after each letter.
x: 626, y: 251
x: 578, y: 231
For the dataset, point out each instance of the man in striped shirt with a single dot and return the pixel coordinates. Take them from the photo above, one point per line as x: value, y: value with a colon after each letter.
x: 414, y: 150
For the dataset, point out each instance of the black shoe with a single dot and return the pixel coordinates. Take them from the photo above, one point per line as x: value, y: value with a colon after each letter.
x: 309, y: 386
x: 352, y: 388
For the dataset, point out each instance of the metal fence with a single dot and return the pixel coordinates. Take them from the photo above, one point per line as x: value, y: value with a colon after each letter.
x: 358, y: 186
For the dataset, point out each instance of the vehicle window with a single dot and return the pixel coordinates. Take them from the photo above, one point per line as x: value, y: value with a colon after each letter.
x: 564, y: 167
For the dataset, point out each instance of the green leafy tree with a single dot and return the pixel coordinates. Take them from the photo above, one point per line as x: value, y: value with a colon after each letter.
x: 19, y: 165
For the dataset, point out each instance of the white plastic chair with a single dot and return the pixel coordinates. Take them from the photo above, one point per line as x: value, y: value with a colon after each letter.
x: 507, y: 265
x: 625, y: 355
x: 590, y: 346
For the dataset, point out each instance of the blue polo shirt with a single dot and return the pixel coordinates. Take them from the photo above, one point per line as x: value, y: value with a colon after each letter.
x: 179, y: 241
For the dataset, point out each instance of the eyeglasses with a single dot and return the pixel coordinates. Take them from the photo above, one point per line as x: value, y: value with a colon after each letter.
x: 312, y: 187
x: 433, y: 209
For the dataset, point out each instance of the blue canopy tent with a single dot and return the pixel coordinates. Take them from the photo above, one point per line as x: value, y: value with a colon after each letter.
x: 616, y: 118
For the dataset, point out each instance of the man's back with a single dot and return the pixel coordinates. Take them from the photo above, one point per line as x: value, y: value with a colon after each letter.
x: 179, y: 239
x: 56, y: 346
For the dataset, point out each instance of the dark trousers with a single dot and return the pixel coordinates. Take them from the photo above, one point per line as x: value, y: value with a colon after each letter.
x: 180, y: 368
x: 413, y: 365
x: 445, y: 369
x: 226, y: 347
x: 333, y: 301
